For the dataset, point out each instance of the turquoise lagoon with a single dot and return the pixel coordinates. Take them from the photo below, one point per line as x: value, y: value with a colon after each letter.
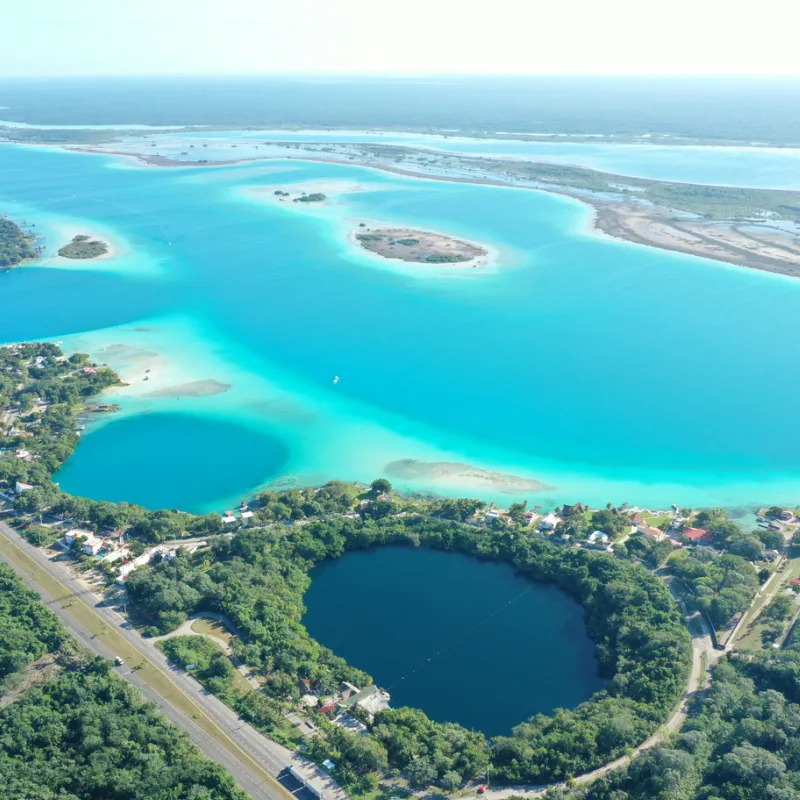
x: 760, y: 167
x: 604, y: 370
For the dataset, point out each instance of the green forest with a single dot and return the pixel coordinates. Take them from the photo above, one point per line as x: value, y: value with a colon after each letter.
x: 259, y: 577
x: 81, y: 733
x: 742, y: 741
x: 15, y: 244
x: 258, y: 580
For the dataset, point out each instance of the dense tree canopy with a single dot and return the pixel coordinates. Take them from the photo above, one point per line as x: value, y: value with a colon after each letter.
x: 88, y: 735
x: 28, y: 629
x: 15, y: 245
x: 742, y: 741
x: 258, y: 579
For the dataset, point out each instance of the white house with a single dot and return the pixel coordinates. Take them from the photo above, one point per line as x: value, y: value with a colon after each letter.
x: 549, y: 522
x: 19, y: 488
x: 92, y: 546
x: 598, y: 539
x: 141, y: 560
x: 76, y: 533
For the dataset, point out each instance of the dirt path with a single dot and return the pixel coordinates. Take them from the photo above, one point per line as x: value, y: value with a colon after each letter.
x: 703, y: 655
x: 186, y: 630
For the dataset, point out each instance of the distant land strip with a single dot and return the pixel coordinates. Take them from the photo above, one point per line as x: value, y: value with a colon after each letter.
x: 736, y: 225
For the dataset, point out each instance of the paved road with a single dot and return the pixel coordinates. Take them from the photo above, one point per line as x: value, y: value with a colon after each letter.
x: 268, y: 755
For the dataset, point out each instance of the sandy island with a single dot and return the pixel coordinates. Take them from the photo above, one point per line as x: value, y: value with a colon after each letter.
x: 74, y: 239
x: 424, y: 247
x: 414, y: 469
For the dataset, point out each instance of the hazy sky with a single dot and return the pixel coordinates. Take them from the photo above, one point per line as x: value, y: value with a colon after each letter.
x: 104, y: 37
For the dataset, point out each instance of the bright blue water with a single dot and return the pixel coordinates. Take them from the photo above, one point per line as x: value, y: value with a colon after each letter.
x: 608, y: 371
x: 464, y: 640
x: 776, y: 168
x: 174, y: 459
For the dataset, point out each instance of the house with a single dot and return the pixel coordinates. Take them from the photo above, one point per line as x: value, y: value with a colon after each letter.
x: 371, y: 699
x: 76, y: 533
x: 568, y: 511
x: 794, y: 582
x: 636, y: 519
x: 549, y: 522
x: 697, y: 535
x: 330, y: 708
x: 650, y: 532
x: 228, y: 518
x: 141, y: 560
x: 19, y: 487
x: 598, y: 540
x: 92, y: 546
x: 246, y: 515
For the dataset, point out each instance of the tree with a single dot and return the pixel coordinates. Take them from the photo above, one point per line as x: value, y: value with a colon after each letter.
x: 517, y: 512
x: 450, y: 781
x: 421, y: 773
x: 747, y: 546
x: 773, y: 540
x: 380, y: 486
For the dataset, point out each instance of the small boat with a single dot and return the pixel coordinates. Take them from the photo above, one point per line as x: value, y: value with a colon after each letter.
x: 336, y: 379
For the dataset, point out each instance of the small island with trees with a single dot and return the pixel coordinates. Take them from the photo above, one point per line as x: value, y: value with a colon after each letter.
x: 83, y: 247
x: 16, y: 246
x: 422, y: 247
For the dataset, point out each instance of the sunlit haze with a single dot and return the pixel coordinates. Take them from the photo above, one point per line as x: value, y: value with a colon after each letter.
x: 95, y: 37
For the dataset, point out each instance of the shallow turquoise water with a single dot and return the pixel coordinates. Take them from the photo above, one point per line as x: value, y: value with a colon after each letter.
x: 170, y: 456
x: 775, y: 168
x: 464, y: 640
x: 606, y: 370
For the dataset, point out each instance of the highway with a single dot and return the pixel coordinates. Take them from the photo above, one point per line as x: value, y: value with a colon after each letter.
x: 251, y: 758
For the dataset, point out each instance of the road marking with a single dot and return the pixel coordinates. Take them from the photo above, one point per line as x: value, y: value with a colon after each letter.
x: 47, y: 582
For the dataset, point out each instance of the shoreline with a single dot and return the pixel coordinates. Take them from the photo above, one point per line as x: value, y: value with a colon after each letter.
x: 648, y: 225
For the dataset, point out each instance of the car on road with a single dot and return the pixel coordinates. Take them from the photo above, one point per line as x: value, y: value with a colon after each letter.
x: 118, y: 661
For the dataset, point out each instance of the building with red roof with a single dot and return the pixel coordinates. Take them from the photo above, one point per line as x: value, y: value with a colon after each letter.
x: 697, y: 535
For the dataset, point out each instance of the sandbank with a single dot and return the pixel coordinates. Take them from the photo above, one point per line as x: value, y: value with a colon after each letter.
x: 66, y: 232
x: 201, y: 388
x: 413, y: 469
x: 290, y: 193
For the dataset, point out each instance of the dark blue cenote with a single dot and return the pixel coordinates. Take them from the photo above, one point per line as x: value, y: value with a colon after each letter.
x: 465, y: 640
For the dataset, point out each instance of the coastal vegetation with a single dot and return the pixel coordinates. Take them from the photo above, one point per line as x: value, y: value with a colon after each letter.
x: 423, y: 247
x: 315, y: 197
x: 16, y: 246
x: 258, y: 579
x: 80, y: 732
x: 83, y: 247
x: 720, y: 203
